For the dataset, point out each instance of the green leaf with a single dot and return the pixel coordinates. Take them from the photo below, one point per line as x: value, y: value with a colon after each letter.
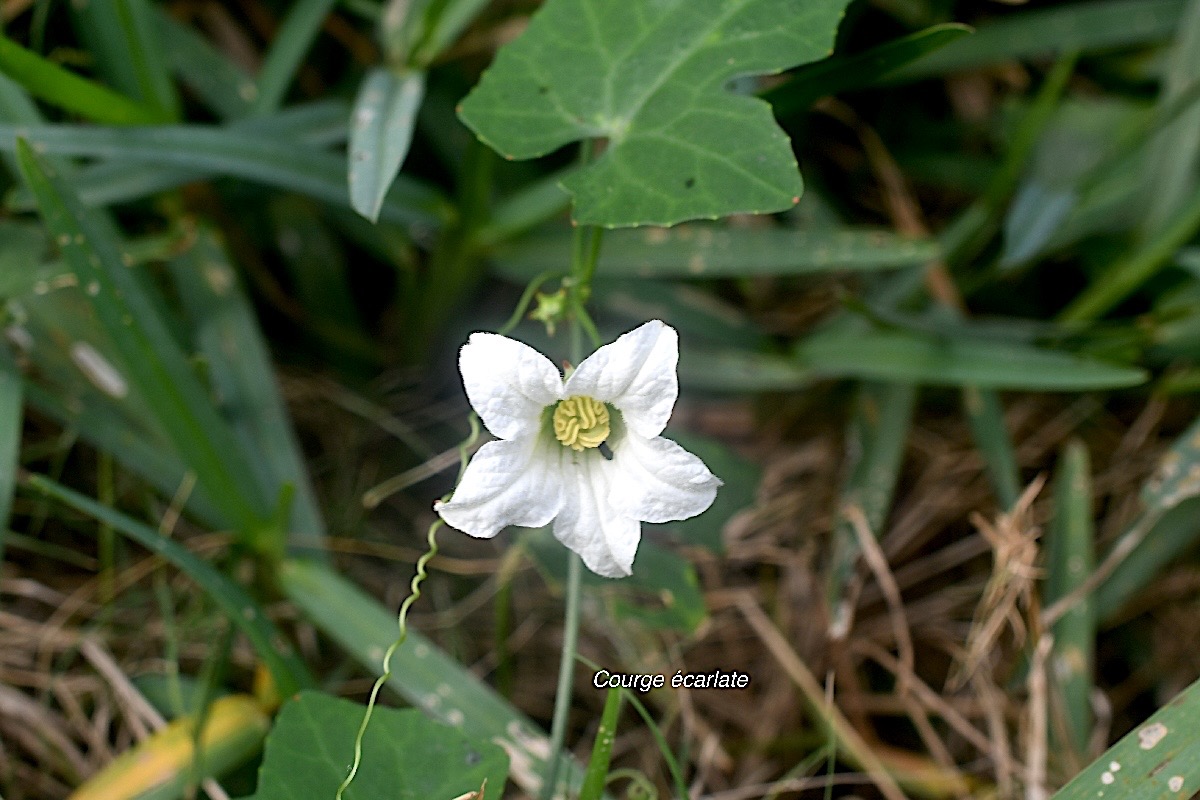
x: 606, y: 734
x: 11, y: 406
x: 405, y: 755
x: 380, y: 134
x: 877, y: 436
x: 240, y: 153
x: 1049, y: 31
x: 239, y: 366
x: 650, y: 77
x: 243, y: 612
x: 940, y: 361
x: 129, y: 54
x: 730, y: 370
x: 1070, y: 558
x: 220, y: 83
x: 63, y: 88
x: 421, y: 672
x: 293, y: 39
x: 1158, y: 759
x: 717, y: 251
x: 840, y: 73
x: 153, y: 359
x: 415, y: 32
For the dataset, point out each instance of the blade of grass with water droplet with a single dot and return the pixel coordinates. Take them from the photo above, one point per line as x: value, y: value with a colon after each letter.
x: 154, y: 360
x: 247, y: 616
x: 1070, y: 558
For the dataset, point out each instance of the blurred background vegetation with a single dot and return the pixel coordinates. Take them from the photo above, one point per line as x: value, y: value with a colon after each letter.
x: 957, y: 377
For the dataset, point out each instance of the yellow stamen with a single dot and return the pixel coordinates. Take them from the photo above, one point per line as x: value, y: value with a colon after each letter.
x: 581, y: 422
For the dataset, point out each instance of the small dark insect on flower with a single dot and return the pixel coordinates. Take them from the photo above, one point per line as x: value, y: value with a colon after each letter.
x: 605, y: 451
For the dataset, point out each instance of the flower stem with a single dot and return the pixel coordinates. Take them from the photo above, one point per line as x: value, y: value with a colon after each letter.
x: 566, y: 669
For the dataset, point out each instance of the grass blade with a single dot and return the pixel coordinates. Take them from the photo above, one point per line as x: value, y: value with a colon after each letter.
x: 1159, y: 758
x: 1070, y: 558
x: 713, y: 251
x: 933, y: 360
x: 63, y: 88
x: 985, y: 415
x: 286, y: 165
x: 246, y: 615
x: 606, y: 734
x: 877, y: 434
x: 1047, y: 32
x: 240, y: 369
x: 837, y: 74
x: 123, y: 37
x: 156, y: 364
x: 380, y: 134
x: 11, y: 406
x: 293, y: 39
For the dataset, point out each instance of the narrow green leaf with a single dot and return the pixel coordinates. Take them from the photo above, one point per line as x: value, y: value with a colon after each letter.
x: 695, y: 312
x: 63, y: 88
x: 156, y: 364
x: 421, y: 672
x: 839, y: 73
x: 123, y: 37
x: 1158, y: 759
x: 246, y: 615
x: 651, y: 78
x: 919, y: 358
x: 1173, y: 533
x: 140, y: 452
x: 606, y: 734
x: 877, y: 436
x: 293, y: 39
x: 405, y: 755
x: 715, y: 251
x: 415, y: 32
x: 526, y: 208
x: 240, y: 368
x: 985, y: 415
x: 1175, y: 150
x: 271, y: 161
x: 219, y: 82
x: 1051, y: 31
x: 380, y: 134
x: 1130, y: 271
x: 11, y: 417
x: 102, y: 183
x: 730, y: 370
x: 1070, y: 558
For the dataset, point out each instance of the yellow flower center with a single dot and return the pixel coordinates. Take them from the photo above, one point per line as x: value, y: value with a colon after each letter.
x: 581, y: 422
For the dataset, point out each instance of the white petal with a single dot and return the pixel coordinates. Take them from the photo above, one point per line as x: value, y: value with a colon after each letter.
x: 636, y: 373
x: 605, y: 540
x: 513, y: 482
x: 508, y: 383
x: 656, y: 480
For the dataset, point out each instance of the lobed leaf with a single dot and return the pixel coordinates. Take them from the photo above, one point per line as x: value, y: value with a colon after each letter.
x: 650, y: 77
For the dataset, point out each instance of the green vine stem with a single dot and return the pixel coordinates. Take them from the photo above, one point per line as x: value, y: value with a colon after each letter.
x: 414, y: 595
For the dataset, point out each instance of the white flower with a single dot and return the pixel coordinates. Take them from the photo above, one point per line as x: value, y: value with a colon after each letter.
x: 584, y: 454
